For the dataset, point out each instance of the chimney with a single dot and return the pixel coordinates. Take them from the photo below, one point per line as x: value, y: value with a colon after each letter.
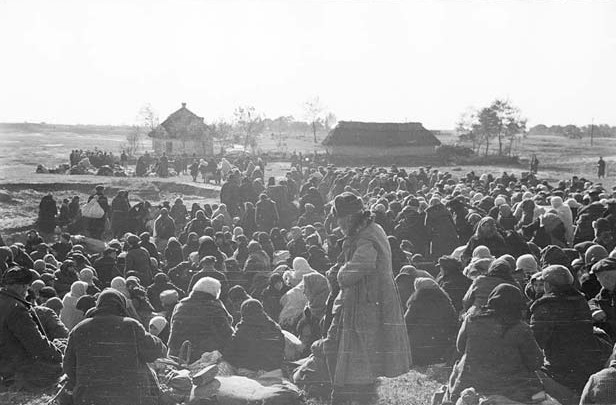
x: 183, y: 105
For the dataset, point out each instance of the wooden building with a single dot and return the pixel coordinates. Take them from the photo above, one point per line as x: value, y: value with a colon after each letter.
x: 376, y: 139
x: 183, y: 132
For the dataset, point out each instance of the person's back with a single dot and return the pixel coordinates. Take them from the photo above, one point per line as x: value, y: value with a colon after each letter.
x: 106, y: 357
x: 601, y: 387
x: 497, y: 359
x: 562, y: 325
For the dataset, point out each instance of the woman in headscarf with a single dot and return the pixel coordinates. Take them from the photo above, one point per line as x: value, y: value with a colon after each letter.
x: 248, y: 221
x: 258, y: 343
x: 367, y: 337
x: 266, y: 244
x: 505, y: 219
x: 202, y: 319
x: 477, y: 295
x: 241, y: 251
x: 441, y: 228
x: 139, y: 298
x: 70, y: 315
x: 431, y: 323
x: 257, y: 261
x: 525, y: 213
x: 198, y: 223
x: 294, y: 301
x: 452, y: 281
x: 161, y: 283
x: 316, y: 290
x: 107, y: 354
x: 192, y: 245
x: 499, y: 353
x: 277, y: 239
x: 405, y: 283
x: 398, y: 258
x: 207, y: 247
x: 272, y: 294
x: 236, y: 297
x: 173, y: 253
x: 87, y: 276
x: 485, y: 235
x: 65, y: 277
x: 119, y: 284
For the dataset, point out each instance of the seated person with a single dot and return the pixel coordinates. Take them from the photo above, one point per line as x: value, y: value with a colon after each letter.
x: 27, y: 358
x: 202, y: 319
x: 499, y: 353
x: 258, y: 342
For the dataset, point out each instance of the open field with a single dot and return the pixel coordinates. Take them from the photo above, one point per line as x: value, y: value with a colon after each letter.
x: 21, y: 190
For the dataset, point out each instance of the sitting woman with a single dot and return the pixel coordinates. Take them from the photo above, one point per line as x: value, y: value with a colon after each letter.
x: 499, y: 353
x: 316, y: 290
x: 431, y: 322
x: 258, y: 342
x: 201, y: 319
x: 107, y: 354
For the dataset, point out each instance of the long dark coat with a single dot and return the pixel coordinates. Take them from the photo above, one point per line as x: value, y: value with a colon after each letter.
x: 442, y: 231
x: 562, y: 325
x: 106, y: 362
x: 432, y: 324
x: 202, y: 320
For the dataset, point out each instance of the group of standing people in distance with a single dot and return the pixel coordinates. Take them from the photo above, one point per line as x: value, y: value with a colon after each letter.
x: 510, y: 281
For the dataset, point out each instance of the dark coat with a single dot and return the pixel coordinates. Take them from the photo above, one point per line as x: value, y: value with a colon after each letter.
x: 496, y: 245
x: 258, y: 344
x: 63, y: 281
x: 138, y: 259
x: 23, y: 344
x: 412, y: 228
x: 562, y: 325
x: 442, y: 231
x: 432, y: 324
x: 606, y: 301
x: 202, y: 320
x: 496, y: 359
x: 53, y: 327
x: 266, y: 215
x: 155, y: 289
x: 107, y: 269
x: 478, y: 292
x: 455, y: 284
x: 106, y: 362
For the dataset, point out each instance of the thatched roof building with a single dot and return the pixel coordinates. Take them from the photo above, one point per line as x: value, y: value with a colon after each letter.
x: 352, y: 138
x: 183, y: 132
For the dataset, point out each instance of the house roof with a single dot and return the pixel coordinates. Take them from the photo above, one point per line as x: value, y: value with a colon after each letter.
x: 183, y: 123
x: 380, y: 134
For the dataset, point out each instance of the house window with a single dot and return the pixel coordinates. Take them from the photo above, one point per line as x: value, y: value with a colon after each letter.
x: 169, y: 147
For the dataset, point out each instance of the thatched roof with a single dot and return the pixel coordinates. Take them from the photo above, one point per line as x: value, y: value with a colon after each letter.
x: 380, y: 134
x: 181, y: 124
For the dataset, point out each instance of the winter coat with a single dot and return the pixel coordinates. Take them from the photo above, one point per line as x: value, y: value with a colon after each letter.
x: 164, y: 227
x: 266, y: 215
x: 155, y: 289
x: 562, y: 325
x: 106, y: 362
x: 107, y: 270
x: 412, y: 228
x: 496, y: 359
x: 257, y: 344
x: 63, y: 281
x: 601, y: 387
x: 432, y: 324
x: 367, y: 337
x: 23, y: 344
x: 442, y: 231
x: 138, y: 259
x: 495, y: 243
x: 606, y: 301
x: 271, y: 301
x: 202, y: 320
x: 53, y: 327
x: 455, y: 284
x: 70, y: 315
x: 478, y: 292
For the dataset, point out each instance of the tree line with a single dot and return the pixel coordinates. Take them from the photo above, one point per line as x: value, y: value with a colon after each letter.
x: 573, y: 131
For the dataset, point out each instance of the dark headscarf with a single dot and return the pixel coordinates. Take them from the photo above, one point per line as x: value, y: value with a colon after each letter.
x: 502, y: 269
x: 553, y: 254
x: 252, y: 313
x: 505, y: 302
x: 110, y: 302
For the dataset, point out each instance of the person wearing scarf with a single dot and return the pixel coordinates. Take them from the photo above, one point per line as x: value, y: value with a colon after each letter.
x: 70, y: 315
x: 499, y: 353
x: 258, y: 342
x: 431, y: 322
x: 477, y: 295
x: 202, y: 319
x: 485, y: 235
x: 107, y: 354
x: 316, y: 290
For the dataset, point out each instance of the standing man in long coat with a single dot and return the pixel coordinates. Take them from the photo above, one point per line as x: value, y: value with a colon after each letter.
x: 367, y: 337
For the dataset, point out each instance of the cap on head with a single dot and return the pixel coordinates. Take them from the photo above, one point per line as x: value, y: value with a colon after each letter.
x: 557, y: 275
x: 346, y: 204
x: 18, y: 275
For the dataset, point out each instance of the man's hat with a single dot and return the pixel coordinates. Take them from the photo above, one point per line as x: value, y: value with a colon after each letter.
x: 347, y: 203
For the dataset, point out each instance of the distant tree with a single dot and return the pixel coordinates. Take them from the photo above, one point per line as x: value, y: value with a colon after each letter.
x: 330, y: 121
x: 147, y: 121
x: 467, y: 129
x: 223, y: 131
x: 314, y: 113
x: 500, y: 121
x: 573, y: 132
x: 250, y: 123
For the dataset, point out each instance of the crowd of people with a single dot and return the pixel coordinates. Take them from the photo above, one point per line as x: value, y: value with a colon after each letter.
x: 96, y: 157
x: 510, y: 281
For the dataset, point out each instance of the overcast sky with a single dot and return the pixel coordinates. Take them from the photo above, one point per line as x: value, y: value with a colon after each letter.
x: 100, y: 61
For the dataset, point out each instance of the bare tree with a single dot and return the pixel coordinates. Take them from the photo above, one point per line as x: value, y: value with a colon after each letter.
x: 148, y: 117
x: 314, y: 113
x: 147, y: 121
x: 250, y: 124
